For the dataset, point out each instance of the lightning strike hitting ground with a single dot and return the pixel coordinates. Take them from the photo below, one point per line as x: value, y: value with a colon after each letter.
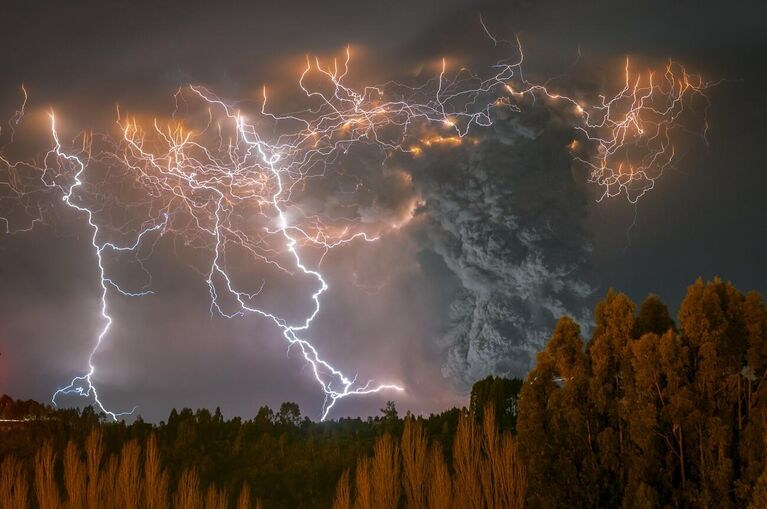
x: 222, y: 182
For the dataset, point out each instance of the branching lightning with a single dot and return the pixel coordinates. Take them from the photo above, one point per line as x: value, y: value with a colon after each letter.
x: 223, y: 183
x: 83, y: 385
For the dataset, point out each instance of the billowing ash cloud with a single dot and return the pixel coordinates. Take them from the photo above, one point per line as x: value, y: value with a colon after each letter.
x: 506, y: 214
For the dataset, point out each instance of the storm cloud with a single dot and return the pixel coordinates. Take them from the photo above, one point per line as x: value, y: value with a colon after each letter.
x: 498, y: 237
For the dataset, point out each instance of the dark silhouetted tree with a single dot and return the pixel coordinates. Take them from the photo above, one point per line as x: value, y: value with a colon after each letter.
x: 653, y: 317
x: 502, y: 394
x: 289, y: 414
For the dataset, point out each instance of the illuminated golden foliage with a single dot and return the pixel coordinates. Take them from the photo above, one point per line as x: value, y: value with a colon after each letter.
x: 121, y: 481
x: 155, y: 477
x: 74, y: 477
x: 414, y: 462
x: 46, y: 488
x: 129, y: 487
x: 14, y: 484
x: 343, y: 498
x: 487, y: 472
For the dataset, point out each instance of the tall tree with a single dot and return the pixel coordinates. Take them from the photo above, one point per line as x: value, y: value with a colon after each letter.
x: 610, y: 374
x: 653, y: 317
x: 556, y: 432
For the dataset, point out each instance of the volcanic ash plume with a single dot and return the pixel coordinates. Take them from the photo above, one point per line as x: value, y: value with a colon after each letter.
x: 507, y: 217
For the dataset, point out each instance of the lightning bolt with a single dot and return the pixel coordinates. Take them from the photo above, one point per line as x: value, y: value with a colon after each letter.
x: 83, y: 385
x: 202, y: 183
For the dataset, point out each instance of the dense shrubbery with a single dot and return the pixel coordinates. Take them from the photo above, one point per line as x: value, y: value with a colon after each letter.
x: 647, y: 413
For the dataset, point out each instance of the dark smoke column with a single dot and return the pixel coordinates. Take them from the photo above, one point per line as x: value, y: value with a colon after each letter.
x: 506, y: 214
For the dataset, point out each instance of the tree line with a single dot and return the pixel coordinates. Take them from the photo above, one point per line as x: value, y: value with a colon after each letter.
x: 646, y: 412
x: 282, y: 459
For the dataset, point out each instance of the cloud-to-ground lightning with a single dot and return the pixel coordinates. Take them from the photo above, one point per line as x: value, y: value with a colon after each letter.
x: 83, y: 385
x: 224, y: 181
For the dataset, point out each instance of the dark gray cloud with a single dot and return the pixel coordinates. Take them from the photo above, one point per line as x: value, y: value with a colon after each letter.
x: 507, y: 217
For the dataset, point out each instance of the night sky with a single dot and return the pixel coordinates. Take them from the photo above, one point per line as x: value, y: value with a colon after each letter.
x: 413, y: 307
